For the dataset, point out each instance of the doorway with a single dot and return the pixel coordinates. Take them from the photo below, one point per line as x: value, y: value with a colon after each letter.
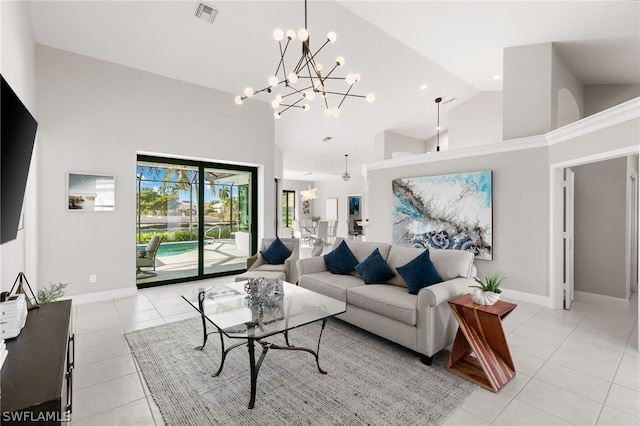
x: 622, y: 232
x: 201, y: 212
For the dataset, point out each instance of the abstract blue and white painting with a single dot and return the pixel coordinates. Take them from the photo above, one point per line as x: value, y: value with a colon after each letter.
x: 444, y: 212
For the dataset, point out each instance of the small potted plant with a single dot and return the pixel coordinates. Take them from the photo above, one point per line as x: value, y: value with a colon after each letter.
x: 487, y: 292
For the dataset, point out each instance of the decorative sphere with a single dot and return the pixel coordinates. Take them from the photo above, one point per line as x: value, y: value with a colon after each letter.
x: 248, y: 92
x: 277, y: 114
x: 335, y: 112
x: 357, y: 76
x: 279, y: 97
x: 305, y: 107
x: 278, y: 34
x: 275, y: 104
x: 327, y: 112
x: 371, y: 97
x: 331, y: 36
x: 303, y: 34
x: 293, y: 77
x: 339, y: 61
x: 291, y: 35
x: 273, y: 81
x: 350, y: 78
x: 318, y: 67
x: 239, y: 100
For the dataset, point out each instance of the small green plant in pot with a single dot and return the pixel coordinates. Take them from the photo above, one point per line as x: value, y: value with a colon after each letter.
x: 487, y: 292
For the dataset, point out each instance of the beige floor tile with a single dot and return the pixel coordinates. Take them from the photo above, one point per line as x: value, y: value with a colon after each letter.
x: 138, y: 316
x: 525, y: 363
x: 101, y: 352
x: 624, y: 399
x: 628, y: 378
x: 519, y: 413
x: 464, y: 418
x: 612, y: 417
x: 529, y: 346
x: 169, y: 301
x: 88, y: 326
x: 560, y: 403
x: 106, y: 396
x: 584, y: 364
x: 579, y: 383
x: 96, y: 337
x: 180, y: 317
x: 102, y: 371
x: 486, y: 404
x: 143, y: 324
x: 136, y: 413
x: 182, y: 308
x: 95, y: 306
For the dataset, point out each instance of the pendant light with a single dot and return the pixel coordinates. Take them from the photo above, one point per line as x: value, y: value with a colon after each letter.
x: 346, y: 176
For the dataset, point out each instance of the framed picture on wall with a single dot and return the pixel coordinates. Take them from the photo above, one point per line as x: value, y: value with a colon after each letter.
x: 90, y: 192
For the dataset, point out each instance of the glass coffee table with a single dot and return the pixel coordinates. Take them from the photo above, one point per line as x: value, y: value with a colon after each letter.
x: 229, y: 310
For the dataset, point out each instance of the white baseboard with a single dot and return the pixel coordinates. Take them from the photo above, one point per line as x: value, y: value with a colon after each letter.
x: 527, y: 297
x: 599, y: 298
x: 102, y: 295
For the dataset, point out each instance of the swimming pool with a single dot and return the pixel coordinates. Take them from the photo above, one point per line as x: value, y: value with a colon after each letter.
x: 171, y: 249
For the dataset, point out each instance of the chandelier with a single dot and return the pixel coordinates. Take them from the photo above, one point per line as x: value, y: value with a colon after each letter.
x: 300, y: 84
x: 346, y: 176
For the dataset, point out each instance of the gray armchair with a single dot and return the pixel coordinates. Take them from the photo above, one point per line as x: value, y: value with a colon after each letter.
x: 146, y: 258
x: 290, y: 269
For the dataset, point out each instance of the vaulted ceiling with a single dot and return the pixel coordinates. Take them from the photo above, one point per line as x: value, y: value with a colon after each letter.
x: 453, y: 47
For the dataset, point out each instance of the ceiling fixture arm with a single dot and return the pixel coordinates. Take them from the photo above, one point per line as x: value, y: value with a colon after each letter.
x: 306, y: 64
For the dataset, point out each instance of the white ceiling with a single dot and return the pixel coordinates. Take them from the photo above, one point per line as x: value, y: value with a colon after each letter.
x: 453, y: 47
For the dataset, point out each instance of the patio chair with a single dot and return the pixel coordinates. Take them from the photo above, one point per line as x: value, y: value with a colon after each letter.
x: 146, y: 258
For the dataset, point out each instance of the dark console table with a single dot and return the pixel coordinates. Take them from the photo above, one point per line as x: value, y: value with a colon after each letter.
x: 37, y: 374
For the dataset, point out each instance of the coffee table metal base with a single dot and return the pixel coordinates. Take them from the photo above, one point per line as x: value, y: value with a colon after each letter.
x: 251, y: 344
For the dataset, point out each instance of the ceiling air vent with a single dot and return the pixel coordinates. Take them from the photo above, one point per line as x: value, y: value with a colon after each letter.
x: 206, y: 13
x: 449, y: 101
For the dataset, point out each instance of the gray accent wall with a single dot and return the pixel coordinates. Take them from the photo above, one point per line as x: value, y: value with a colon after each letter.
x: 600, y: 226
x: 95, y: 117
x: 520, y: 211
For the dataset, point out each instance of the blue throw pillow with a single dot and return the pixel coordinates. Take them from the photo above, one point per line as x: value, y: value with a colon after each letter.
x: 419, y: 273
x: 340, y: 260
x: 374, y: 269
x: 276, y: 253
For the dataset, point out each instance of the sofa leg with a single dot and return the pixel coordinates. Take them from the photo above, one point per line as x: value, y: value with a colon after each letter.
x: 426, y: 360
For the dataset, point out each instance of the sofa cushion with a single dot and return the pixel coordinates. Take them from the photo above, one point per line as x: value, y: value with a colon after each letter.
x: 399, y: 256
x: 374, y: 269
x: 386, y: 300
x: 340, y: 260
x: 276, y: 253
x: 419, y: 273
x: 329, y: 284
x: 362, y: 249
x: 451, y: 264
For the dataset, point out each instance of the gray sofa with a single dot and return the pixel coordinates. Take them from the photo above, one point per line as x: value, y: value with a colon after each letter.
x: 422, y: 322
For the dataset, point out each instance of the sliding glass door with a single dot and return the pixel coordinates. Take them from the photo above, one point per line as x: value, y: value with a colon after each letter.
x: 202, y: 213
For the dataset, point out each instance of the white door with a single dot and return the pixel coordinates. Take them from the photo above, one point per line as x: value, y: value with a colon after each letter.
x: 568, y: 237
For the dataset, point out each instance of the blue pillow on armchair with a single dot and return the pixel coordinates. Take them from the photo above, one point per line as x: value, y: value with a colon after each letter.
x: 340, y: 260
x: 276, y: 253
x: 419, y: 273
x: 374, y: 269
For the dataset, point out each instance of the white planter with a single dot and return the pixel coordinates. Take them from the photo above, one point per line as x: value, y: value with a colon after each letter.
x: 484, y: 297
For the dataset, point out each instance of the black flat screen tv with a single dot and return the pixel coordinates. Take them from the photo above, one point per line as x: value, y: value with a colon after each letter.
x: 17, y: 136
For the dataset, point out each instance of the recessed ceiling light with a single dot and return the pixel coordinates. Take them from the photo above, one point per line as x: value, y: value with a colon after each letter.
x: 423, y: 87
x: 497, y: 77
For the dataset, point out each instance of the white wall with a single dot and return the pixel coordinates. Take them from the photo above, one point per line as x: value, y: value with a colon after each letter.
x: 477, y: 121
x: 17, y: 65
x: 339, y: 189
x: 600, y: 227
x: 563, y: 78
x: 600, y: 97
x: 395, y: 143
x: 526, y: 89
x: 95, y: 117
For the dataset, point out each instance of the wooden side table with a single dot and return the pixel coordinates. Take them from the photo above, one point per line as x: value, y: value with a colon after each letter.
x: 480, y: 332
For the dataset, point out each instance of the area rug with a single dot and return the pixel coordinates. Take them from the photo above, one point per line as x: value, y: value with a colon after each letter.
x: 370, y: 381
